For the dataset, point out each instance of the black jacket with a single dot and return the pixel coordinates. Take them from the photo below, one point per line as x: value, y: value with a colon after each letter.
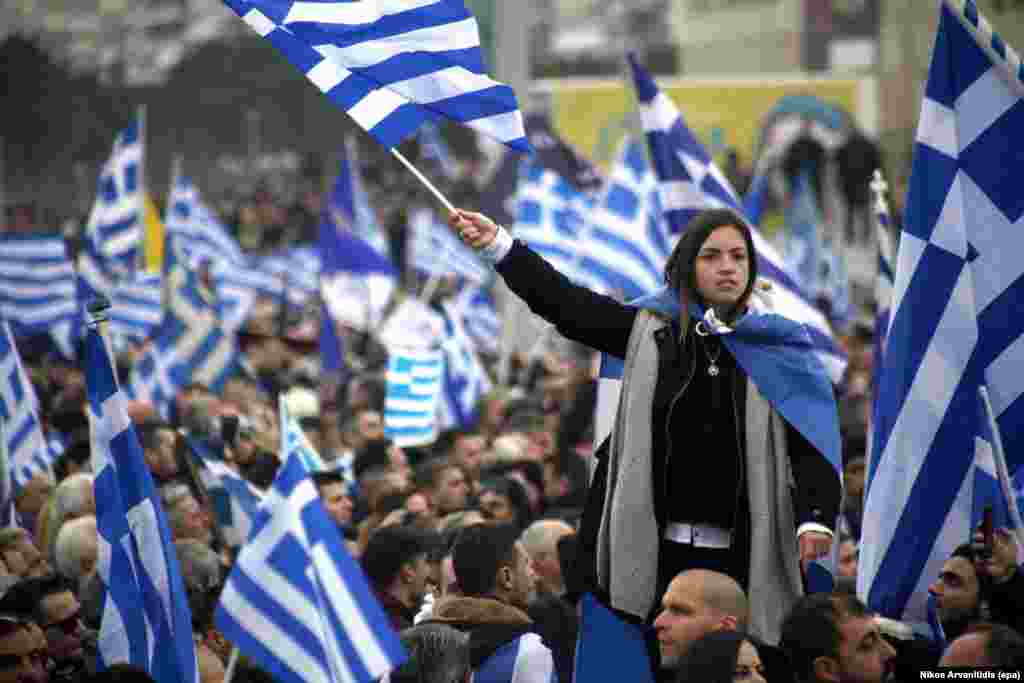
x: 603, y: 323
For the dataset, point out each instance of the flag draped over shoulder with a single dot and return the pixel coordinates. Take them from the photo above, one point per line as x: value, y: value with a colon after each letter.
x: 392, y: 65
x: 145, y: 615
x: 295, y: 602
x: 955, y: 315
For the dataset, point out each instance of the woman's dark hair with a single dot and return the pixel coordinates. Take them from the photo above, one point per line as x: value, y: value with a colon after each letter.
x: 711, y: 658
x: 681, y: 271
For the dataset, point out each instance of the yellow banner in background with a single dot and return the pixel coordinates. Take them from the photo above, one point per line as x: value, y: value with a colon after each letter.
x: 726, y: 113
x: 153, y: 240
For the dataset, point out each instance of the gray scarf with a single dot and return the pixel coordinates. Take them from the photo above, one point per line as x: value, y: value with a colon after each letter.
x: 628, y: 539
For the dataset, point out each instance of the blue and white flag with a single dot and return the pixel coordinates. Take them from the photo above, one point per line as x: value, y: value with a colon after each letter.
x: 115, y: 222
x: 690, y: 182
x: 435, y: 250
x: 392, y: 65
x: 552, y: 217
x: 295, y: 602
x: 38, y: 288
x: 145, y: 617
x: 191, y: 344
x: 356, y: 280
x: 136, y: 307
x: 480, y: 318
x: 294, y: 441
x: 955, y: 324
x: 234, y: 500
x: 627, y: 235
x: 196, y: 230
x: 27, y: 451
x: 465, y: 378
x: 348, y: 206
x: 414, y: 386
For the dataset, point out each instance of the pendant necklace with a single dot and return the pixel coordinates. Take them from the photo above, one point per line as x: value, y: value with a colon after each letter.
x: 713, y: 369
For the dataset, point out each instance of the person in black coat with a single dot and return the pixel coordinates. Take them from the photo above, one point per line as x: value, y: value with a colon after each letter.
x: 699, y: 397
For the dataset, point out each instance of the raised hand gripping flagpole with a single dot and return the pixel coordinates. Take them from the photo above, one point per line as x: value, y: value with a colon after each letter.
x: 1002, y: 471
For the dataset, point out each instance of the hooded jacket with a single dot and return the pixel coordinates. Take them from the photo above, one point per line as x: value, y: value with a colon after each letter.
x: 502, y: 645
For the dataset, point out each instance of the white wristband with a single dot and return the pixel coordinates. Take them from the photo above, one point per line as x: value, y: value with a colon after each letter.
x: 499, y: 247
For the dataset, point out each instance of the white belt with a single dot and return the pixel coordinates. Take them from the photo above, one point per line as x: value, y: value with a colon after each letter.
x: 698, y: 535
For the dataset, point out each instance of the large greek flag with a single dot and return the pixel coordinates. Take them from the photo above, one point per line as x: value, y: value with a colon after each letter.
x: 956, y: 320
x: 145, y: 616
x: 392, y: 64
x: 690, y: 182
x: 295, y: 602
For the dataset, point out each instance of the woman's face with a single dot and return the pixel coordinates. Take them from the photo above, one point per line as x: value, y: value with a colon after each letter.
x: 748, y: 665
x: 723, y: 267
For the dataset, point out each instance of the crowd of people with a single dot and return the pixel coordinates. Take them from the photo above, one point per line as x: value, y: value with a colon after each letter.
x: 480, y: 545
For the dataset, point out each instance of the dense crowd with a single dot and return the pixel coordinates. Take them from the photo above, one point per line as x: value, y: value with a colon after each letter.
x: 470, y: 542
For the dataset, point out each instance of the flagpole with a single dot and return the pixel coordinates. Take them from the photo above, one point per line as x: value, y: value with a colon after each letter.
x: 423, y: 179
x: 1002, y: 471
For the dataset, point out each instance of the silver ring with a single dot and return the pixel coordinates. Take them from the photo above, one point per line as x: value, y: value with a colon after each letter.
x: 701, y: 329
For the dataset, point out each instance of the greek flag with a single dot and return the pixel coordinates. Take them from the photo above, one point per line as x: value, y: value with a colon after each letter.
x: 27, y: 450
x: 392, y: 64
x: 295, y: 602
x: 627, y: 235
x: 348, y: 206
x: 955, y: 323
x: 465, y: 379
x: 136, y: 307
x: 435, y: 250
x: 294, y: 441
x: 196, y: 230
x: 552, y: 216
x: 146, y: 619
x: 414, y: 385
x: 38, y: 288
x: 191, y: 344
x: 234, y: 500
x: 115, y: 222
x: 690, y: 182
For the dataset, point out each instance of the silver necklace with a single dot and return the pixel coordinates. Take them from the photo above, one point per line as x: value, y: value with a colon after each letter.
x: 713, y: 369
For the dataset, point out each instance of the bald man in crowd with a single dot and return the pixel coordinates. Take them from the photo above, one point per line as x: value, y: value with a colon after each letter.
x: 697, y: 602
x: 541, y: 541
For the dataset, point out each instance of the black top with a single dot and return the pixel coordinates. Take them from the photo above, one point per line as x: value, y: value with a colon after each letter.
x: 605, y: 324
x: 705, y: 473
